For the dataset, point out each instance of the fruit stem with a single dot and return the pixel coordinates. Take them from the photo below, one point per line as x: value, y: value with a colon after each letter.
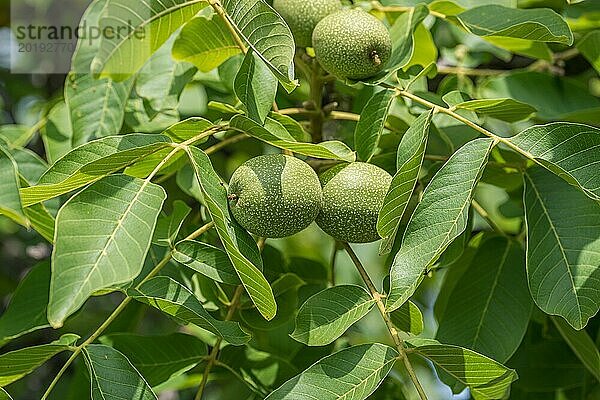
x: 400, y: 346
x: 166, y: 259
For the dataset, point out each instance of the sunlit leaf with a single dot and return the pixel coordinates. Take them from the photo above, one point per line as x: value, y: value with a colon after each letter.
x: 207, y: 260
x: 371, y: 123
x: 90, y: 162
x: 486, y: 378
x: 439, y: 218
x: 205, y: 42
x: 352, y: 373
x: 267, y: 34
x: 102, y: 237
x: 409, y: 158
x: 239, y: 245
x: 333, y: 150
x: 542, y: 24
x: 147, y: 24
x: 568, y: 150
x: 326, y: 315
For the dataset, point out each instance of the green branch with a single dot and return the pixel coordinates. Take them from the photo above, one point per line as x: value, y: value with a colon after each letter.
x: 386, y: 318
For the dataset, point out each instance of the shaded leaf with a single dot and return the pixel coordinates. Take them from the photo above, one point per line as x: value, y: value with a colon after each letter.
x: 57, y: 134
x: 408, y: 159
x: 26, y: 311
x: 589, y: 46
x: 327, y: 315
x: 168, y: 226
x: 568, y: 150
x: 256, y: 87
x: 10, y: 200
x: 486, y: 378
x: 563, y: 98
x: 207, y: 260
x: 371, y: 123
x: 90, y: 162
x: 333, y: 150
x: 540, y: 24
x: 563, y: 247
x: 170, y: 297
x: 582, y: 345
x: 494, y: 282
x: 158, y: 358
x: 102, y: 237
x: 408, y: 318
x: 16, y: 364
x: 352, y: 373
x: 239, y: 245
x: 112, y: 375
x: 440, y: 217
x: 4, y: 395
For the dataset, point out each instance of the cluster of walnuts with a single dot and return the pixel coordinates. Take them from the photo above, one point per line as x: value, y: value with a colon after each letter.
x: 348, y: 43
x: 277, y: 195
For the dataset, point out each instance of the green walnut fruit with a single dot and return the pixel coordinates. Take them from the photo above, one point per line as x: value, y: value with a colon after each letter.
x: 353, y: 194
x: 303, y: 15
x: 275, y: 195
x: 352, y: 44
